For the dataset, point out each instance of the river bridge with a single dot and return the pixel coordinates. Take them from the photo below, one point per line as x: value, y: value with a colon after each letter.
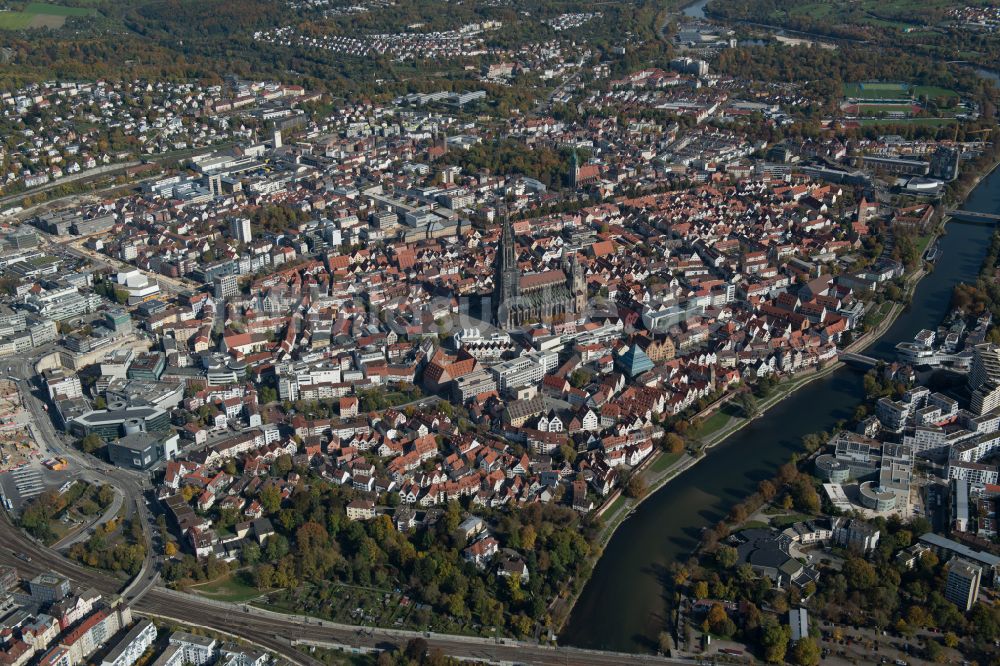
x: 858, y: 359
x: 973, y: 216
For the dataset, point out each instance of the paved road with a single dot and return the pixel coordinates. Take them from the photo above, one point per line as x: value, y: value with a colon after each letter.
x: 130, y: 484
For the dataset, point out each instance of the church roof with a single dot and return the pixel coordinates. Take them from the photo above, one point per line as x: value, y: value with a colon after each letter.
x: 540, y: 280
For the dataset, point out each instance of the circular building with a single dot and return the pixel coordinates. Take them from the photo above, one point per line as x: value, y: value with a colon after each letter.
x: 876, y: 498
x: 132, y: 426
x: 830, y: 469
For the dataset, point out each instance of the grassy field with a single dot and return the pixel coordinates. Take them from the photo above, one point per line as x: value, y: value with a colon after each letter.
x: 933, y: 91
x: 231, y: 588
x: 718, y: 420
x: 881, y: 90
x: 56, y: 10
x: 876, y: 90
x: 15, y: 20
x: 664, y: 461
x: 923, y: 242
x: 781, y: 522
x: 41, y: 15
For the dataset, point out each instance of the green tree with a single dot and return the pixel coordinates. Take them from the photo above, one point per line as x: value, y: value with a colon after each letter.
x: 580, y: 378
x: 105, y: 495
x: 91, y: 443
x: 270, y: 498
x: 860, y: 573
x: 774, y: 639
x: 263, y: 576
x: 726, y: 556
x: 805, y: 652
x: 748, y: 405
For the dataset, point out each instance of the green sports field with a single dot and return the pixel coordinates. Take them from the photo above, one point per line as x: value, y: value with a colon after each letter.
x: 885, y: 90
x: 876, y: 90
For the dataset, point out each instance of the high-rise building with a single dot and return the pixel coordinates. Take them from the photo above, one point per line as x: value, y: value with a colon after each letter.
x: 985, y: 399
x: 944, y: 162
x: 226, y: 286
x: 962, y: 588
x: 985, y: 365
x: 239, y: 228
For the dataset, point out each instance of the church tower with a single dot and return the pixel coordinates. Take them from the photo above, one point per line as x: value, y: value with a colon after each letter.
x: 574, y: 170
x: 578, y: 287
x: 506, y: 280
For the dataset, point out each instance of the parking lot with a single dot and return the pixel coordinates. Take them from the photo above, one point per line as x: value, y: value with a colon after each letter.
x: 846, y: 645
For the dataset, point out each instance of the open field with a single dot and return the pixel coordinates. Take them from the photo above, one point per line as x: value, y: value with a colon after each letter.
x: 876, y: 90
x: 56, y: 10
x: 933, y: 91
x: 15, y: 20
x: 883, y: 90
x: 664, y: 461
x: 40, y: 15
x: 932, y: 122
x: 232, y: 588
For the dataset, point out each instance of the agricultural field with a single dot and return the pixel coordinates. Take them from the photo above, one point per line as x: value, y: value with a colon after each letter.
x: 41, y: 15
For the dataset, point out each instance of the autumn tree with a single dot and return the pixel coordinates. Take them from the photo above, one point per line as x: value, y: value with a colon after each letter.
x: 673, y: 443
x: 805, y: 652
x: 774, y: 639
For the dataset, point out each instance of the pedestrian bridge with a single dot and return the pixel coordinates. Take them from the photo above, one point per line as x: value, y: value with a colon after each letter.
x: 858, y: 359
x: 973, y: 216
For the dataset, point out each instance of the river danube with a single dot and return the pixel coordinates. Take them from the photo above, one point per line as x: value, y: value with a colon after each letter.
x: 623, y: 606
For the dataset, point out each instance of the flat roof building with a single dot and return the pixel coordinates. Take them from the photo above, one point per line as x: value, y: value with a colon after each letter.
x: 798, y: 620
x: 142, y: 450
x: 962, y: 587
